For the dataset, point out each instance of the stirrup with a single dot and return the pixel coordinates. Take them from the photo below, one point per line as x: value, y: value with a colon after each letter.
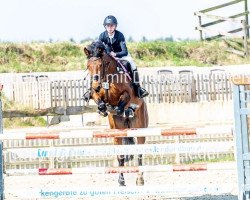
x: 142, y: 92
x: 87, y: 96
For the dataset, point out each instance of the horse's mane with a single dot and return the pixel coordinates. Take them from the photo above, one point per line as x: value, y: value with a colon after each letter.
x: 96, y: 49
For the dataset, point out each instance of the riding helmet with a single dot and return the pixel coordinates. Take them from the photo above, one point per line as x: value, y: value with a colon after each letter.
x: 110, y: 20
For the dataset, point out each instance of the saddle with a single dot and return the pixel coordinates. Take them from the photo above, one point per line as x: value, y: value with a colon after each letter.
x: 125, y: 64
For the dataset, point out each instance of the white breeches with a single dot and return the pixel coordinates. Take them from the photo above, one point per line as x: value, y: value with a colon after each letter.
x: 130, y: 60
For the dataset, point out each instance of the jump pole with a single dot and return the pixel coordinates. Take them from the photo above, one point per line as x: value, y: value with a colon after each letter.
x: 106, y: 133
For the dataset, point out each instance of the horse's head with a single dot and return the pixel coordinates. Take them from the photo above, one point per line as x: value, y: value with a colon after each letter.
x: 95, y: 49
x: 94, y: 53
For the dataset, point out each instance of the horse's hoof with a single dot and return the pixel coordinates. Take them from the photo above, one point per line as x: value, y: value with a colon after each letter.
x: 121, y: 182
x: 140, y: 180
x: 129, y: 113
x: 104, y: 114
x: 102, y: 107
x: 118, y: 111
x: 87, y: 96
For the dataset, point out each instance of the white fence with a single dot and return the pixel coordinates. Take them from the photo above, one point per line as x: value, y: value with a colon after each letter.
x: 12, y: 161
x: 173, y: 88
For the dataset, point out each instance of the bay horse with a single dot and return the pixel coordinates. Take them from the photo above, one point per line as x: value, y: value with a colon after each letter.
x: 112, y: 89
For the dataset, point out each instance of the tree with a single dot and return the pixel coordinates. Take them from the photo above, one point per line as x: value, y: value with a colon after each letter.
x: 170, y: 38
x: 144, y: 39
x: 86, y: 40
x: 72, y: 40
x: 130, y: 39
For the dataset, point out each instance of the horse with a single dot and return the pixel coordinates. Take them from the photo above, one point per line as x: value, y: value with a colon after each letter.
x: 113, y: 91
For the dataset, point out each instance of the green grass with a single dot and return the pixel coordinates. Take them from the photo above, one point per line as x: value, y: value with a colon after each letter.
x: 24, y: 122
x: 20, y: 122
x: 35, y: 57
x: 206, y: 159
x: 227, y: 158
x: 67, y: 56
x: 161, y: 53
x: 222, y: 159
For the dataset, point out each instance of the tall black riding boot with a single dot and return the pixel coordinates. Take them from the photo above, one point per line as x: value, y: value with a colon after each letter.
x: 139, y: 91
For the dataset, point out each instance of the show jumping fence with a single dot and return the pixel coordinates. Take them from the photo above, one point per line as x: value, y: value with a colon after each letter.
x: 14, y: 146
x: 99, y: 151
x: 175, y: 158
x: 162, y: 89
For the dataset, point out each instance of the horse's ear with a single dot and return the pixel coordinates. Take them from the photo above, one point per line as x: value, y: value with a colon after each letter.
x: 87, y: 52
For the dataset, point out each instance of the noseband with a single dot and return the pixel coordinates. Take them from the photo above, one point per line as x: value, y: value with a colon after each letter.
x: 104, y: 68
x: 103, y: 79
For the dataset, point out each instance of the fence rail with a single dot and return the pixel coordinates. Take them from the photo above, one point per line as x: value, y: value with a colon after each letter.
x: 162, y: 89
x: 12, y: 161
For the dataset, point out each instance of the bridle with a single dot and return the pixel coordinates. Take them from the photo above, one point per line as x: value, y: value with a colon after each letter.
x: 103, y: 82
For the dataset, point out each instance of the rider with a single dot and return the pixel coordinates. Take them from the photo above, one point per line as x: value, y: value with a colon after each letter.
x: 115, y: 45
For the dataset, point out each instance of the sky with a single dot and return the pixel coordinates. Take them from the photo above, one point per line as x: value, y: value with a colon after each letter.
x: 59, y: 20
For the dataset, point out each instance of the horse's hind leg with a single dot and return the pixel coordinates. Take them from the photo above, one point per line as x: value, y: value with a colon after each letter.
x: 121, y: 179
x: 140, y: 178
x: 120, y: 159
x: 128, y: 141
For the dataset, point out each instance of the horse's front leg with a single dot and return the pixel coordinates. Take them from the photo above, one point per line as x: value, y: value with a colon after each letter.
x: 101, y: 105
x: 123, y: 101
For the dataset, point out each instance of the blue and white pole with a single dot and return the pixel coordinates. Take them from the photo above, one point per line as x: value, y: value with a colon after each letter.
x: 1, y: 148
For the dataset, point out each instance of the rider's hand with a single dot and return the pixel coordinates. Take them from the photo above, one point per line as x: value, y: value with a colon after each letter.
x: 113, y: 54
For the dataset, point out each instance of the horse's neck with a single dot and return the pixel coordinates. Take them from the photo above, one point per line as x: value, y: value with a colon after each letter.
x: 112, y: 64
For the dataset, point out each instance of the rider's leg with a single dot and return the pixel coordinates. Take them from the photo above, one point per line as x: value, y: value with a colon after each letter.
x: 140, y: 92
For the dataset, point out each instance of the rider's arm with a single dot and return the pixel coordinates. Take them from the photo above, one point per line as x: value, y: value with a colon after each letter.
x: 124, y: 51
x: 107, y: 48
